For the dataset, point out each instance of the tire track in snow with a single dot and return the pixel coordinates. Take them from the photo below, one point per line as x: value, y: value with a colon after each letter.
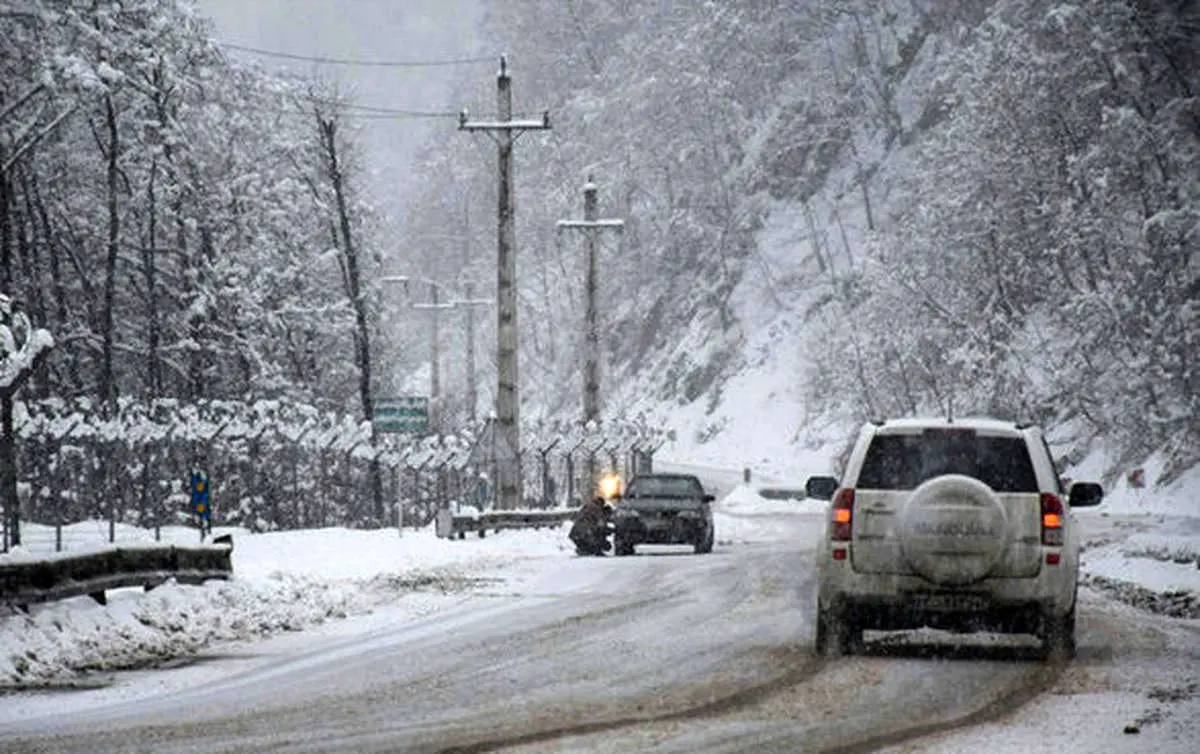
x: 739, y: 699
x: 1006, y: 705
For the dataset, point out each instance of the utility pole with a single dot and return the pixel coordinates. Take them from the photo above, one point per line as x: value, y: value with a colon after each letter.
x: 472, y: 393
x: 469, y: 302
x: 591, y: 225
x: 504, y: 131
x: 472, y: 390
x: 435, y: 388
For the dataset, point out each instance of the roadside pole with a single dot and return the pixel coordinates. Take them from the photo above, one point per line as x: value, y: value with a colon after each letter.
x: 504, y: 131
x: 399, y: 511
x: 435, y: 381
x: 591, y: 225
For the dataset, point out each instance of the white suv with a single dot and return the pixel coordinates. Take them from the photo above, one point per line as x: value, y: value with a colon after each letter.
x: 952, y: 524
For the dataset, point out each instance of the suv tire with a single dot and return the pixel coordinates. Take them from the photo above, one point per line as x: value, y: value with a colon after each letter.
x: 705, y: 545
x: 1057, y: 633
x: 836, y: 633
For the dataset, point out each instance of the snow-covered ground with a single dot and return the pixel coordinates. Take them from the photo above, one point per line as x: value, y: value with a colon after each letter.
x: 284, y: 581
x: 1134, y: 551
x: 1140, y: 552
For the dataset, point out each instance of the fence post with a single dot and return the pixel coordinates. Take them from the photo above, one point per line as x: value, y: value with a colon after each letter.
x: 294, y: 458
x: 145, y: 495
x: 297, y: 448
x: 395, y: 479
x: 416, y: 484
x: 112, y: 498
x: 54, y: 479
x: 323, y: 465
x: 57, y: 495
x: 591, y: 475
x: 547, y: 490
x: 570, y: 475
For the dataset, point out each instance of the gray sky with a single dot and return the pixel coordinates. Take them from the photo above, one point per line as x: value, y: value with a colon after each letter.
x: 372, y: 30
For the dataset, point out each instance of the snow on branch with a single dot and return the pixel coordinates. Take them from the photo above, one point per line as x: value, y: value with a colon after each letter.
x: 16, y: 367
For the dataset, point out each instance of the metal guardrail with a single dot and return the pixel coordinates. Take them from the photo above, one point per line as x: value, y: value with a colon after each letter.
x: 450, y: 525
x: 782, y: 493
x: 23, y: 584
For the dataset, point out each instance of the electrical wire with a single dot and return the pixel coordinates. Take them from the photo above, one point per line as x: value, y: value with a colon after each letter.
x: 376, y: 116
x: 363, y: 111
x: 354, y: 62
x: 300, y: 106
x: 377, y: 113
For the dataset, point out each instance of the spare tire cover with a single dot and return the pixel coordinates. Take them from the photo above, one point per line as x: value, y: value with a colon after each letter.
x: 953, y: 529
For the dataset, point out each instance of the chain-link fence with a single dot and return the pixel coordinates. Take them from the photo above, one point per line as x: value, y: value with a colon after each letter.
x: 276, y: 466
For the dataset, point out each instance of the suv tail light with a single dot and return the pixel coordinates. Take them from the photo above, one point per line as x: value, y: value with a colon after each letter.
x: 842, y: 514
x: 1052, y: 520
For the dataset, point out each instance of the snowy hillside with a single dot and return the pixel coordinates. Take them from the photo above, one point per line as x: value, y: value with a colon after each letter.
x: 876, y: 209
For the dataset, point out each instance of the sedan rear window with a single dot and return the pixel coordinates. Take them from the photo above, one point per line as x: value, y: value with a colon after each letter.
x: 902, y: 462
x: 664, y: 486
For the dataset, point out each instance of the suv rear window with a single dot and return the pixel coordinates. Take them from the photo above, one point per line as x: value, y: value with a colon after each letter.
x: 902, y: 462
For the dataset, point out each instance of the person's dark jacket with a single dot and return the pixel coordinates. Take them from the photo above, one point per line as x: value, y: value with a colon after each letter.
x: 589, y: 532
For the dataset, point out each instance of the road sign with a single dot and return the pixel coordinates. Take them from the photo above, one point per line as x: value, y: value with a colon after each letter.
x: 408, y: 413
x: 200, y: 501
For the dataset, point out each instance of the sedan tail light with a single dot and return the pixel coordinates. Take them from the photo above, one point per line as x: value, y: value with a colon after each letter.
x: 1052, y: 520
x: 842, y: 515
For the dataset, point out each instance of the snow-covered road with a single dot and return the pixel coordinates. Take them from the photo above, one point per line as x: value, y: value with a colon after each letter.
x: 558, y: 645
x: 665, y: 652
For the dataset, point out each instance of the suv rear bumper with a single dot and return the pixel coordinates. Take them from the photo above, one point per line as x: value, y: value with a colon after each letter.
x: 898, y: 614
x: 897, y: 601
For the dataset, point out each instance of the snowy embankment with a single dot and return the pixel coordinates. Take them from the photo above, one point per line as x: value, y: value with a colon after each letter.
x: 1142, y: 546
x: 289, y: 581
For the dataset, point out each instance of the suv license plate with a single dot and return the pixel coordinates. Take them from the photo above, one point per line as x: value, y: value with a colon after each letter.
x: 948, y: 602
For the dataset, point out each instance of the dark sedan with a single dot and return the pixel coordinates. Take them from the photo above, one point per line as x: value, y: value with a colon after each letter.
x: 667, y: 509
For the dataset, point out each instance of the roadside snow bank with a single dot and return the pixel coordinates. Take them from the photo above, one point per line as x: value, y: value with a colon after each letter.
x: 1181, y: 497
x: 61, y: 642
x: 1174, y: 603
x: 283, y: 581
x: 1149, y: 561
x: 744, y: 516
x: 749, y: 500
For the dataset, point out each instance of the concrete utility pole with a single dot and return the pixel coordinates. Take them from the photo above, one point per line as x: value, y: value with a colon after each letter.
x: 504, y: 131
x: 469, y: 302
x: 435, y: 382
x: 472, y: 389
x: 436, y: 305
x: 469, y: 293
x: 591, y: 225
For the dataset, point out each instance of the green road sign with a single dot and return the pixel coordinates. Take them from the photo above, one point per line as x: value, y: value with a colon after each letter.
x: 408, y: 413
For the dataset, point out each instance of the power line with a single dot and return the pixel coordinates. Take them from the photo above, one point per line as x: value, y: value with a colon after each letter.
x: 372, y: 111
x: 399, y: 114
x: 348, y: 110
x: 351, y: 61
x: 364, y: 111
